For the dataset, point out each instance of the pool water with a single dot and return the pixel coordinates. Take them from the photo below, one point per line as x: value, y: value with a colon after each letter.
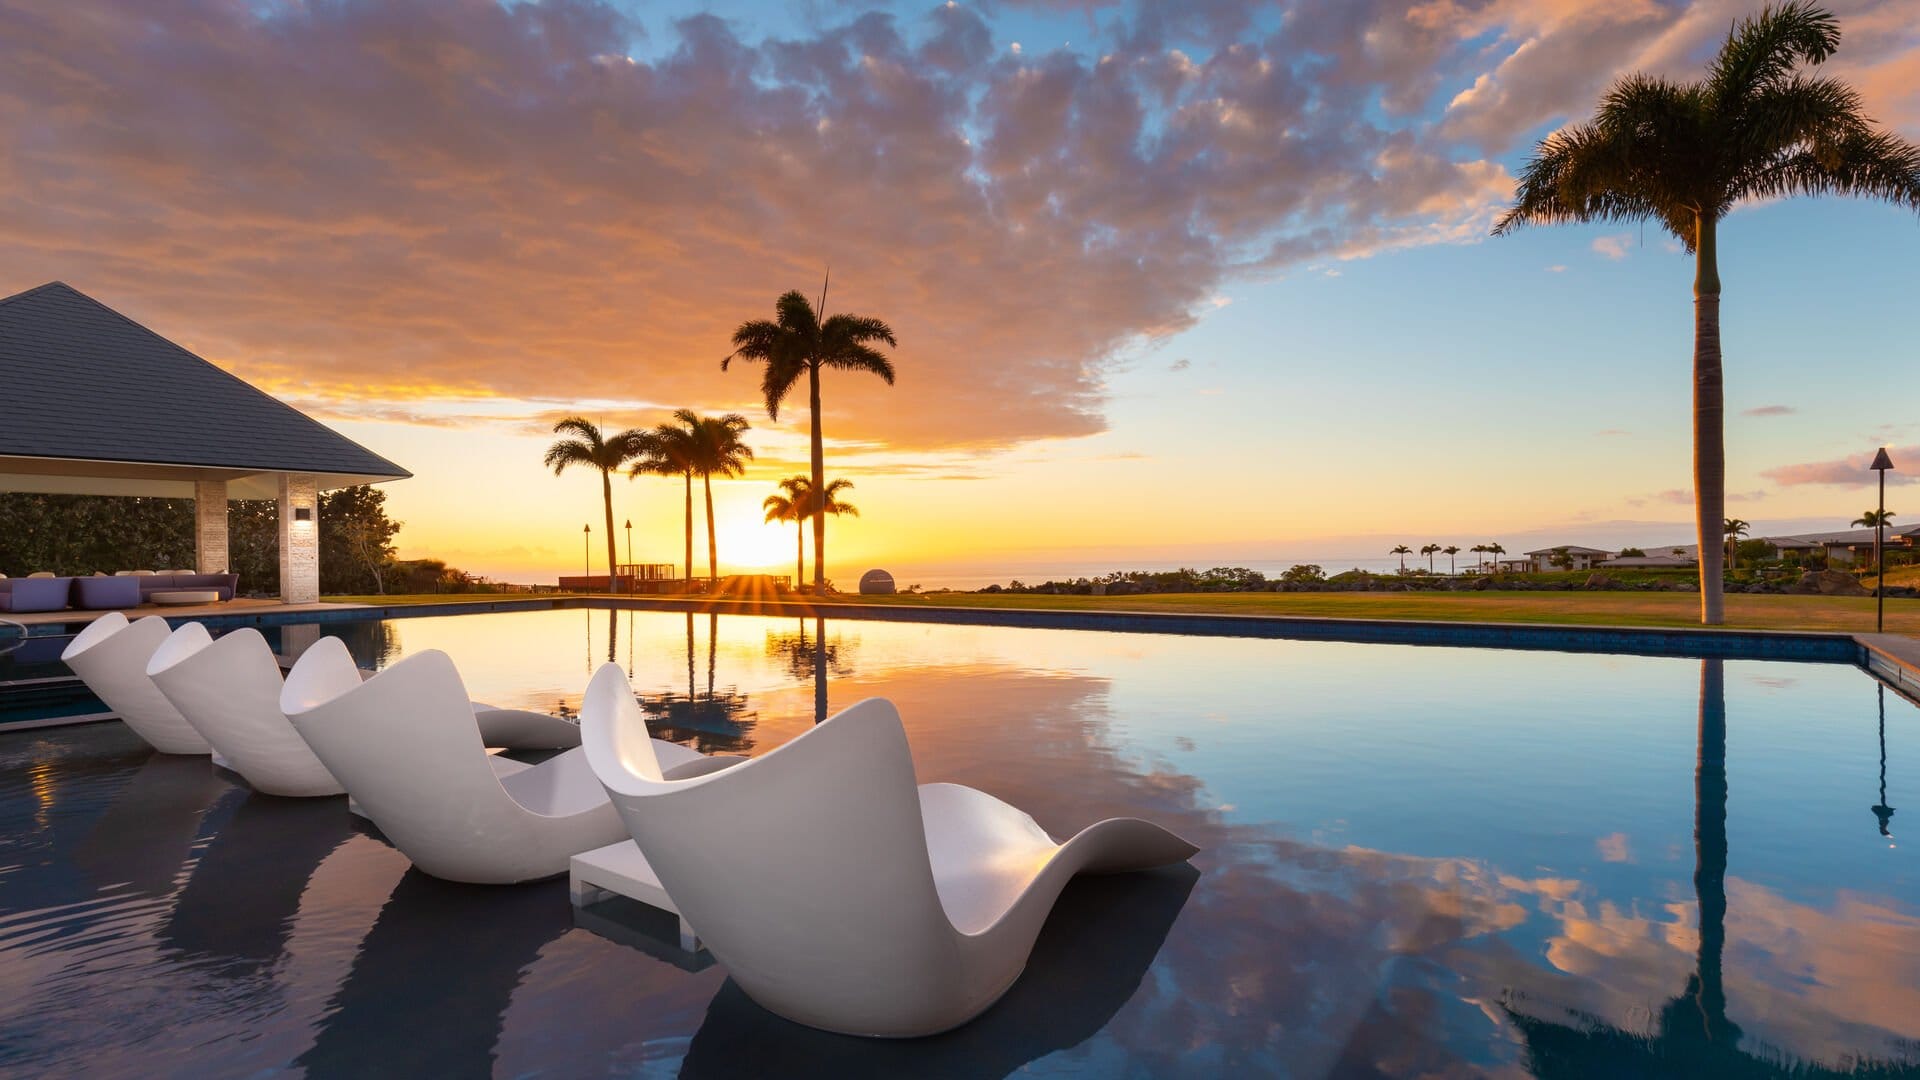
x: 1418, y: 861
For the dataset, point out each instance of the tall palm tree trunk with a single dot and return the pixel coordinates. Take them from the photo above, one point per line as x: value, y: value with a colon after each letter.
x: 713, y: 544
x: 799, y: 553
x: 689, y: 521
x: 1709, y: 440
x: 819, y: 483
x: 606, y: 496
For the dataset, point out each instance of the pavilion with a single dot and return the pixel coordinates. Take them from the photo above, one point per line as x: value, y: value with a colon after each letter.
x: 93, y: 403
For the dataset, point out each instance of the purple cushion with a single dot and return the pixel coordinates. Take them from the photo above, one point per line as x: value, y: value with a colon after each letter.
x: 106, y: 593
x: 36, y: 594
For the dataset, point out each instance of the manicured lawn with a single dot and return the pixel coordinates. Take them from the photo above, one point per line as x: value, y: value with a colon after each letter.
x: 1591, y: 608
x: 1594, y: 608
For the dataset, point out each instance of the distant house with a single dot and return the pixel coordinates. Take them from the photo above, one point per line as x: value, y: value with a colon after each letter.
x: 1648, y: 562
x: 1578, y: 558
x: 1842, y: 547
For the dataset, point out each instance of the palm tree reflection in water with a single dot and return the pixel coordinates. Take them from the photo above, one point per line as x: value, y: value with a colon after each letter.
x: 1693, y: 1036
x: 813, y: 659
x: 716, y: 722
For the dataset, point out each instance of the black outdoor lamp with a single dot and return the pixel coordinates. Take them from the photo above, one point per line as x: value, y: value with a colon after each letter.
x: 1881, y: 463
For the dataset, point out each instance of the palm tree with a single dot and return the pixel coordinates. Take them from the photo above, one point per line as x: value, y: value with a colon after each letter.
x: 797, y: 342
x: 1874, y: 519
x: 828, y: 502
x: 1756, y: 126
x: 715, y: 442
x: 1450, y: 551
x: 1733, y: 529
x: 1403, y: 551
x: 589, y: 447
x: 1480, y: 550
x: 1496, y: 551
x: 1429, y: 550
x: 792, y: 506
x: 670, y: 451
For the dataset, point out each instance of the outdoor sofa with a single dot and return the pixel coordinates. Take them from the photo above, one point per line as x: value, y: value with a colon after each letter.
x: 224, y: 584
x: 103, y: 593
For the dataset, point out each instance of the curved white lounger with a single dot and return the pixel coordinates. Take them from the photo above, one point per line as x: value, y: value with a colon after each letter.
x: 228, y: 688
x: 111, y: 656
x: 837, y: 893
x: 524, y: 729
x: 428, y: 782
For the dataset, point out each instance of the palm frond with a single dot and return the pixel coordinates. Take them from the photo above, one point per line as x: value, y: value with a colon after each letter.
x: 1877, y: 165
x: 859, y: 329
x: 776, y: 382
x: 568, y: 452
x: 581, y: 427
x: 796, y: 315
x: 856, y: 357
x: 1765, y: 49
x: 755, y: 339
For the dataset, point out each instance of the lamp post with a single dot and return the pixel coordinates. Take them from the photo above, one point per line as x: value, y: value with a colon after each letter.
x: 1881, y: 463
x: 586, y: 554
x: 629, y: 552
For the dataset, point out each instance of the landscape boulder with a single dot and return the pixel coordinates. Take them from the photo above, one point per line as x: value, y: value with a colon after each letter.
x: 1597, y: 580
x: 1829, y: 583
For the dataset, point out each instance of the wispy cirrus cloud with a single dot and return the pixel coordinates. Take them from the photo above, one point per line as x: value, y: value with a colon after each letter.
x: 1769, y: 410
x: 1685, y: 497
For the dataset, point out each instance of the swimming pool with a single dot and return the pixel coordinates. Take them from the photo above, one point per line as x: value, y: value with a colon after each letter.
x: 1418, y: 860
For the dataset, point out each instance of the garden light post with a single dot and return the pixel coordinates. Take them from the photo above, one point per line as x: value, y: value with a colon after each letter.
x: 586, y: 553
x: 1881, y: 463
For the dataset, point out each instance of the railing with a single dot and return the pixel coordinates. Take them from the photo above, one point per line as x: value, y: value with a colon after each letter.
x: 675, y: 586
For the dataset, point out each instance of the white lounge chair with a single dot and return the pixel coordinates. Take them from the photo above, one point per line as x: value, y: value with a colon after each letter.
x: 405, y: 745
x: 111, y: 656
x: 837, y: 892
x: 228, y: 688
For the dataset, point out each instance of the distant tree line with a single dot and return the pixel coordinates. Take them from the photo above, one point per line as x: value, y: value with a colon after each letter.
x: 1136, y: 582
x: 84, y: 534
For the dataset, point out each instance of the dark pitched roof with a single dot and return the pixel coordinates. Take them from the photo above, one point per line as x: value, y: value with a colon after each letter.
x: 80, y: 380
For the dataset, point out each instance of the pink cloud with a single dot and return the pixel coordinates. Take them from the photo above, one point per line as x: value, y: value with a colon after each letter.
x: 460, y: 199
x: 1770, y: 410
x: 1849, y: 471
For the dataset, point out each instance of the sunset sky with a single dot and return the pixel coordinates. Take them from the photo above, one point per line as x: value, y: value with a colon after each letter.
x: 1203, y: 282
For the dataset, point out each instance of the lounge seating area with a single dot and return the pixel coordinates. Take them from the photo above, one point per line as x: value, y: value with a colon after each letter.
x: 119, y: 591
x: 860, y: 902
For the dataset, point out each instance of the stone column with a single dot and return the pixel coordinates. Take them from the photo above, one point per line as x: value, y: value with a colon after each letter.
x: 210, y: 526
x: 299, y: 538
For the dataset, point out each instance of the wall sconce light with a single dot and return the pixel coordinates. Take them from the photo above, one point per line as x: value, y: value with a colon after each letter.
x: 303, y: 513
